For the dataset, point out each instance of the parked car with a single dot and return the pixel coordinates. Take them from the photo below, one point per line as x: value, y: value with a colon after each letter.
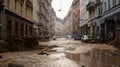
x: 57, y: 36
x: 86, y: 38
x: 77, y: 37
x: 54, y: 37
x: 69, y: 36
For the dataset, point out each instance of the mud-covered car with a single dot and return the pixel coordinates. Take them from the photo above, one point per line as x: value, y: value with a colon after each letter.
x: 86, y: 38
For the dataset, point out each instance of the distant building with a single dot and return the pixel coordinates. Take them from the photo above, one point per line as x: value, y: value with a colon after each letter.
x: 104, y: 16
x: 59, y: 27
x: 85, y: 23
x: 52, y: 22
x: 44, y: 12
x: 68, y: 23
x: 72, y: 19
x: 75, y: 16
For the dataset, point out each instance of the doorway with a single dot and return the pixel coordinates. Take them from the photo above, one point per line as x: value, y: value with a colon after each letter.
x: 9, y: 30
x: 110, y: 30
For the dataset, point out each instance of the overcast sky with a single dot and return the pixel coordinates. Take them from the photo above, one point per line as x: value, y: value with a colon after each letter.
x: 64, y: 4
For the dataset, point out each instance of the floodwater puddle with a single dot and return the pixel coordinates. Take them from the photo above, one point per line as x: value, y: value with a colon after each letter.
x: 101, y: 58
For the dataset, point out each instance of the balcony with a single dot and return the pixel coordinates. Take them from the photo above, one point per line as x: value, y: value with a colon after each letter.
x: 90, y: 6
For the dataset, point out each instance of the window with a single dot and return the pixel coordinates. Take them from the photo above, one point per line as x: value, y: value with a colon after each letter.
x: 105, y: 6
x: 98, y: 32
x: 40, y: 8
x: 21, y: 8
x: 114, y: 3
x: 119, y: 1
x: 109, y: 5
x: 40, y: 19
x: 8, y: 3
x: 26, y: 30
x: 99, y: 10
x: 26, y: 12
x: 22, y: 29
x: 9, y: 29
x: 15, y: 5
x: 30, y: 31
x: 16, y: 29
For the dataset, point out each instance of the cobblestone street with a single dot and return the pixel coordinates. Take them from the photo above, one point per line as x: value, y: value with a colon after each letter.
x: 67, y: 54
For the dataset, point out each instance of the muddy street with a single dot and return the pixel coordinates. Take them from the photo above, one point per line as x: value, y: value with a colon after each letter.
x: 65, y: 53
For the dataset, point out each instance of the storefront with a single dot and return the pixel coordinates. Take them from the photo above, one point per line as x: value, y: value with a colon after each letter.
x: 112, y: 27
x: 118, y: 22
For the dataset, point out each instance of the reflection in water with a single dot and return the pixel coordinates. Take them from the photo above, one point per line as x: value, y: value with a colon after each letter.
x: 101, y: 58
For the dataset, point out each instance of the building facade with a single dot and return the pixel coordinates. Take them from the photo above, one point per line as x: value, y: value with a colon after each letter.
x: 52, y: 22
x: 68, y: 23
x: 85, y: 23
x: 59, y: 27
x: 16, y: 22
x: 36, y: 17
x: 44, y: 13
x: 104, y: 15
x: 75, y: 16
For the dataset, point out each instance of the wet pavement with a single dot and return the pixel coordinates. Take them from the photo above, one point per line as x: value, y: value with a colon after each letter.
x: 69, y: 53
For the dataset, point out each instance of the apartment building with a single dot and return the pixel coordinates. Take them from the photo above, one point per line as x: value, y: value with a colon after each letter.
x: 44, y: 12
x: 75, y: 16
x: 36, y: 18
x: 52, y: 22
x: 85, y: 23
x: 68, y: 23
x: 104, y: 15
x: 16, y: 21
x: 59, y: 27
